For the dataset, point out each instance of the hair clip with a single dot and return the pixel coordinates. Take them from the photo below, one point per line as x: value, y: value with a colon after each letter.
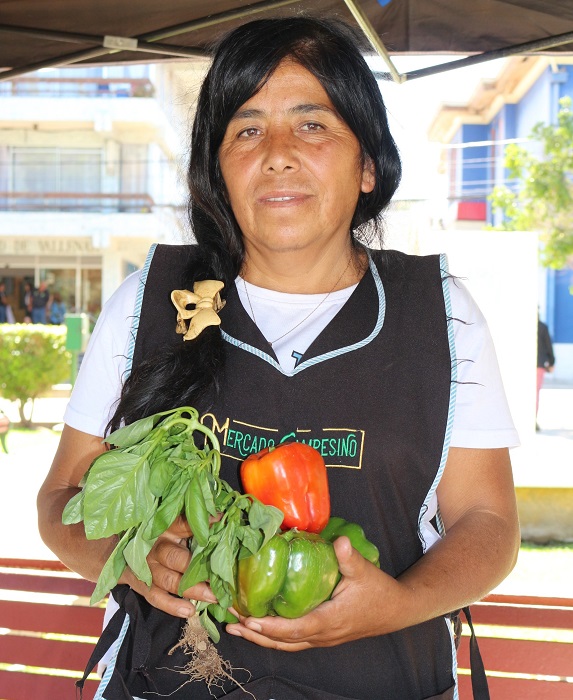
x: 208, y: 302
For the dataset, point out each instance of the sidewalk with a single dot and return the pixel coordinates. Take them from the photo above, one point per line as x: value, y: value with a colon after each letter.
x: 22, y: 472
x: 546, y: 458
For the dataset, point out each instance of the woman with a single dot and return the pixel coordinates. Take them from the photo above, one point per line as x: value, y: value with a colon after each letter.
x: 320, y: 338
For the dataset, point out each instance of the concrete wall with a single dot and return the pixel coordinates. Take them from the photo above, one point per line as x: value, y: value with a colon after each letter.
x: 500, y: 270
x: 545, y: 513
x: 137, y: 146
x: 475, y: 166
x: 116, y: 239
x: 535, y: 106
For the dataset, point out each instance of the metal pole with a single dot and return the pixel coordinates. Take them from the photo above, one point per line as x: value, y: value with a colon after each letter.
x: 98, y: 41
x: 68, y: 37
x: 167, y: 50
x: 148, y: 36
x: 54, y: 62
x: 506, y: 52
x: 373, y: 37
x: 98, y: 52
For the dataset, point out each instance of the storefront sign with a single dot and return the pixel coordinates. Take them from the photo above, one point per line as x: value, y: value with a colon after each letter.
x: 46, y: 246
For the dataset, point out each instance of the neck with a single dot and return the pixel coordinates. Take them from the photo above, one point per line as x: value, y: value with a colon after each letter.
x: 298, y: 272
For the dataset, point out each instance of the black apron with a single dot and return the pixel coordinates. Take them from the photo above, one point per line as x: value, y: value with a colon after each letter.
x: 373, y: 394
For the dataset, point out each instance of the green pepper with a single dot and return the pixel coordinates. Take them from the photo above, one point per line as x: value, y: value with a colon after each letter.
x: 289, y: 576
x: 337, y: 527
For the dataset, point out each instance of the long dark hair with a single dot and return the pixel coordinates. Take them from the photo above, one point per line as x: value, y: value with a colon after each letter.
x: 243, y: 60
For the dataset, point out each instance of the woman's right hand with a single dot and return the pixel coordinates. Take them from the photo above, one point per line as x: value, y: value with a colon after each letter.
x: 168, y: 559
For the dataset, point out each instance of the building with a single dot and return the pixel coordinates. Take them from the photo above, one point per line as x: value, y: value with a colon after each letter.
x: 502, y: 111
x: 90, y: 172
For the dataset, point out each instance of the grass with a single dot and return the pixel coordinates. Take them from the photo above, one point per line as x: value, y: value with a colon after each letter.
x: 557, y: 548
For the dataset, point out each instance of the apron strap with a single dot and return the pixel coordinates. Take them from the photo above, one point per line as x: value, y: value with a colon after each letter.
x: 108, y: 637
x: 480, y: 688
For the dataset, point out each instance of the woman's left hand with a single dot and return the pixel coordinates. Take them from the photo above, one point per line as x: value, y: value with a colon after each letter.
x: 363, y: 605
x: 479, y: 512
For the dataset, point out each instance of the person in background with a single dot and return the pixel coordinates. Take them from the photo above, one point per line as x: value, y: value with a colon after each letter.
x: 57, y: 310
x: 3, y: 304
x: 40, y: 299
x: 545, y: 361
x: 27, y: 302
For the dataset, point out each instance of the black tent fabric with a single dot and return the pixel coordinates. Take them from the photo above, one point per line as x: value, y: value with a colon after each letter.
x: 40, y: 33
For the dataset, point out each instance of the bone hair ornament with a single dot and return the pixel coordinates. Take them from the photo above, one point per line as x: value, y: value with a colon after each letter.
x: 208, y: 302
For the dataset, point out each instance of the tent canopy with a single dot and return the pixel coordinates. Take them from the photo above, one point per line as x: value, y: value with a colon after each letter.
x: 42, y: 33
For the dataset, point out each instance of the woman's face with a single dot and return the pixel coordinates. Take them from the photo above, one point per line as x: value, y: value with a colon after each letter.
x: 292, y: 167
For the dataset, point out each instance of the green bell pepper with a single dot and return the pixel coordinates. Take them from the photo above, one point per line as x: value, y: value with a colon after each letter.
x: 292, y: 574
x: 336, y: 527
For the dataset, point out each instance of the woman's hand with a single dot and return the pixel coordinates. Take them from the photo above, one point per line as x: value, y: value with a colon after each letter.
x: 168, y: 559
x: 366, y: 603
x: 478, y: 509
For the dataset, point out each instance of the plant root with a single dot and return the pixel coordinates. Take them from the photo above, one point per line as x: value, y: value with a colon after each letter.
x: 205, y: 663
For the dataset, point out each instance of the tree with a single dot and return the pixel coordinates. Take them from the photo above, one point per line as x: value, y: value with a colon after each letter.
x: 541, y: 196
x: 33, y: 358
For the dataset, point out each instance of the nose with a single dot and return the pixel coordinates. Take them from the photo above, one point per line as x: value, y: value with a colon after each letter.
x: 281, y: 152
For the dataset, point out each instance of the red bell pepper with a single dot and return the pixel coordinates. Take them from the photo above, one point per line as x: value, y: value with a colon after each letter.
x: 291, y: 477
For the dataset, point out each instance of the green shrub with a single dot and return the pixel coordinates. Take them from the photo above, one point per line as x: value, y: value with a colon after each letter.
x: 33, y: 358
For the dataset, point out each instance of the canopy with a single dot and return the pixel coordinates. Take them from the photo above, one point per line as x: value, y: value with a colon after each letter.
x: 42, y: 33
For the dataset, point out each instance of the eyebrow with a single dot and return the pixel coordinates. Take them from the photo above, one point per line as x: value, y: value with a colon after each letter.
x: 305, y: 108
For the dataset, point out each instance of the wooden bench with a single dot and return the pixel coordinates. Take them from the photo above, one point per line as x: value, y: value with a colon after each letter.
x: 526, y: 645
x: 47, y: 630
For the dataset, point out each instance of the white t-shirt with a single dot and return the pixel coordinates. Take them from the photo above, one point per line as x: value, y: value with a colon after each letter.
x: 482, y: 418
x: 290, y: 322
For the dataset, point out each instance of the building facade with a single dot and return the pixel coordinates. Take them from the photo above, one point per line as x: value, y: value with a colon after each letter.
x: 503, y: 111
x: 91, y: 163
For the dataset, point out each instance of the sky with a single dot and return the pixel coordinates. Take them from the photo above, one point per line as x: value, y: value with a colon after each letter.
x: 413, y: 105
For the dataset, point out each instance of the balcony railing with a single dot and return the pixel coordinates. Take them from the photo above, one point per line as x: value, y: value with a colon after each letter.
x: 77, y: 87
x: 76, y: 201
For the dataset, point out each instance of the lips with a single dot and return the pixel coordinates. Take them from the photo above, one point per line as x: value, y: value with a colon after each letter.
x: 282, y: 197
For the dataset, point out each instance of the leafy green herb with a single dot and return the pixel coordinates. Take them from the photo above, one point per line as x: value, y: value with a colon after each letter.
x: 155, y: 473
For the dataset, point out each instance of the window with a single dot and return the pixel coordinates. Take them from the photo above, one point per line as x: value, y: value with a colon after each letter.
x: 113, y: 179
x: 61, y: 170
